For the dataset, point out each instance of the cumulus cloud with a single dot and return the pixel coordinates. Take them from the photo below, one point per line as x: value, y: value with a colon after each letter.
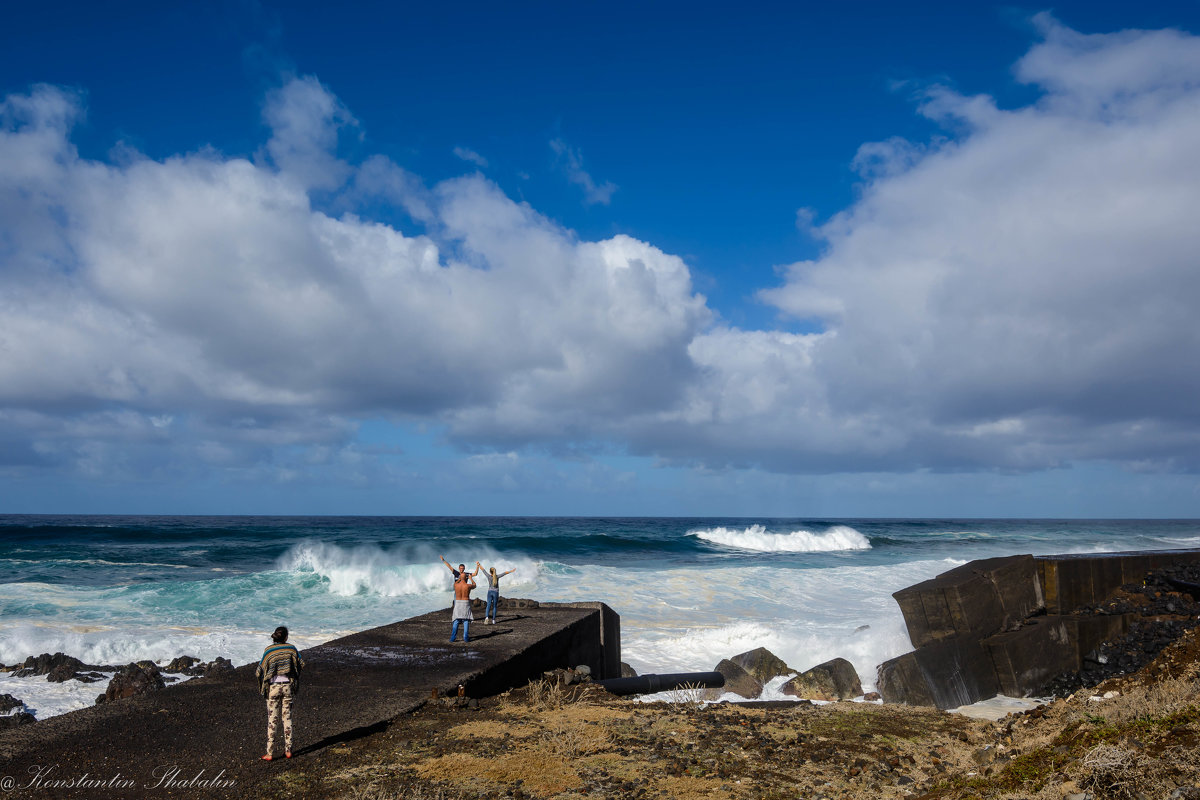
x: 1016, y: 294
x: 305, y: 118
x: 1021, y: 294
x: 571, y: 163
x: 210, y: 288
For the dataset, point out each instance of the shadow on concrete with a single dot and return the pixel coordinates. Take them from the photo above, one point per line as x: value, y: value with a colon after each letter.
x: 475, y: 637
x: 347, y: 736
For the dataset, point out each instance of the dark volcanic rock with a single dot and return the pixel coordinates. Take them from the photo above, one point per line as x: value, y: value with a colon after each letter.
x: 218, y: 666
x: 737, y: 680
x: 8, y: 703
x: 63, y: 672
x: 181, y: 664
x: 133, y: 679
x: 46, y: 663
x: 13, y: 720
x: 834, y: 680
x: 762, y: 664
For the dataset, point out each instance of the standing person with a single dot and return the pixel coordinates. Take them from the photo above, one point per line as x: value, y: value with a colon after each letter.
x: 461, y: 568
x: 462, y: 606
x: 278, y: 676
x: 493, y: 595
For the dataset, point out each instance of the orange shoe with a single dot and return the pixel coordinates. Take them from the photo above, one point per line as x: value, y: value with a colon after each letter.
x: 288, y: 754
x: 267, y: 757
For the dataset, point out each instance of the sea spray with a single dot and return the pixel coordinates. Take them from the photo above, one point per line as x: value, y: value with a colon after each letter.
x: 398, y: 572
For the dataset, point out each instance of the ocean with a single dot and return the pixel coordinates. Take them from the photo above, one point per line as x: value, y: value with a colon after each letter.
x: 690, y: 591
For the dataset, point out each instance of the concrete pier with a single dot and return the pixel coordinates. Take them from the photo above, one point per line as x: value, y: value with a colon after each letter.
x: 215, y: 727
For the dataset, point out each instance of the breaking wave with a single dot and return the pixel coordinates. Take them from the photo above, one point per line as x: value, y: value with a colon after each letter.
x: 371, y: 570
x: 756, y: 538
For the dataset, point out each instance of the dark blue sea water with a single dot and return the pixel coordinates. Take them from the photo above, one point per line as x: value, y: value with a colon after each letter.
x: 112, y: 589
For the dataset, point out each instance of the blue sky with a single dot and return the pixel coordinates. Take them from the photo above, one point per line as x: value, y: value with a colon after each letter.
x: 619, y: 259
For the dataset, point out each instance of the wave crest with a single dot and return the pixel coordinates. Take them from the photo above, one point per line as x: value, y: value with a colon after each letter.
x: 371, y: 570
x: 364, y: 570
x: 756, y: 537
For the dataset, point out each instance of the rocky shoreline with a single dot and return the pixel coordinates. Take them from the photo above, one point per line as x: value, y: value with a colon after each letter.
x: 125, y: 681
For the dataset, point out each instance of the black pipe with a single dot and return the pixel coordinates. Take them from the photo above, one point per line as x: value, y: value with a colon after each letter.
x: 649, y: 684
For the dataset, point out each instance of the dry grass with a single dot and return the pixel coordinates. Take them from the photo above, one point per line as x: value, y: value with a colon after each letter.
x: 377, y: 792
x: 571, y: 739
x: 1124, y: 773
x: 542, y: 773
x: 686, y: 788
x: 492, y: 729
x: 1165, y: 698
x: 689, y: 695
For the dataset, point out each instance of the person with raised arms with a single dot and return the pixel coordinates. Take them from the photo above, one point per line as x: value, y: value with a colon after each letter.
x: 462, y: 606
x: 493, y: 595
x: 461, y: 568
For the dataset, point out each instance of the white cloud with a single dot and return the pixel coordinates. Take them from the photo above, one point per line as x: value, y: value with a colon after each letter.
x: 469, y: 155
x: 1039, y: 269
x: 571, y: 163
x: 1018, y: 295
x: 209, y: 289
x: 305, y: 118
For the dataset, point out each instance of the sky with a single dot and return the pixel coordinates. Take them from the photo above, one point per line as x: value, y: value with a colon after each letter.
x: 583, y: 259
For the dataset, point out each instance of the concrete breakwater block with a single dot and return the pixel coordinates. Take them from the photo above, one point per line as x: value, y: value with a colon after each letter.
x: 1046, y: 647
x: 947, y: 674
x: 1073, y: 581
x: 1010, y: 625
x: 979, y: 598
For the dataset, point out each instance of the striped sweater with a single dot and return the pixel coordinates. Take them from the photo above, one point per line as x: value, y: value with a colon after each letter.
x: 279, y: 660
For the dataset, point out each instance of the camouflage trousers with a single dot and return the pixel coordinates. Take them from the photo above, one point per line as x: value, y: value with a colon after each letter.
x: 279, y: 710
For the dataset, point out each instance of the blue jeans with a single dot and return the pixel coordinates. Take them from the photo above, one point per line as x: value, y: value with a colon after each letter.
x: 466, y: 623
x: 493, y: 596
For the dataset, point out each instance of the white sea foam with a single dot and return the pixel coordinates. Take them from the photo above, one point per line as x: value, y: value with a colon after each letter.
x: 92, y: 562
x: 673, y: 618
x: 363, y: 570
x: 1179, y: 541
x: 44, y: 699
x: 756, y: 537
x: 809, y: 617
x: 372, y: 570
